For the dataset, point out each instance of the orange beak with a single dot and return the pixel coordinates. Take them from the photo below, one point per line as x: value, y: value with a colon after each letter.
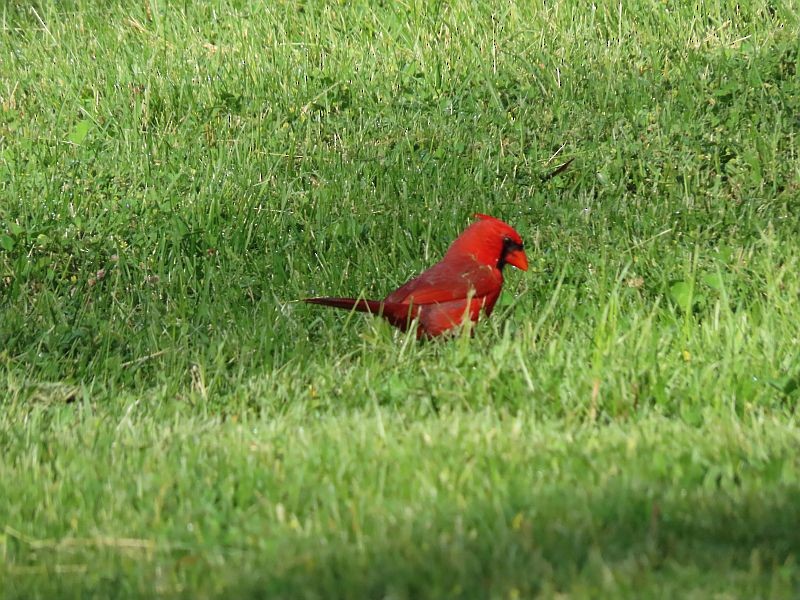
x: 517, y: 258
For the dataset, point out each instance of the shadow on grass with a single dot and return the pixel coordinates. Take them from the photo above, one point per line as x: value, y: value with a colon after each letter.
x: 621, y: 540
x: 615, y: 542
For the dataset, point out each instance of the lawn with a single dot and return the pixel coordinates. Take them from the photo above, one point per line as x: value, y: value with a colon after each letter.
x: 176, y: 176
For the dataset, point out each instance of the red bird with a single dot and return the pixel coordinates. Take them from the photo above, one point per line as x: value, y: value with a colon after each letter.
x: 467, y: 280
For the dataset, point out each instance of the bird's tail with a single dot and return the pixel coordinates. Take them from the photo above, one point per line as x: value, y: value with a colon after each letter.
x: 398, y: 314
x: 370, y: 306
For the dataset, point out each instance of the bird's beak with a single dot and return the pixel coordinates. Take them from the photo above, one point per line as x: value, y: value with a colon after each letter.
x: 517, y: 258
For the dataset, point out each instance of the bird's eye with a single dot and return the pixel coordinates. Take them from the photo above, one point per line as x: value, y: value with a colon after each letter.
x: 509, y: 244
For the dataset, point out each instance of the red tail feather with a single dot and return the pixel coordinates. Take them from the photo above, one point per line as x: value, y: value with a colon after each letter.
x: 370, y: 306
x: 398, y: 314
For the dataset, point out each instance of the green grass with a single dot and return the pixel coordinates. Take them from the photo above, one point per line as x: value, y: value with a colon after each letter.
x: 174, y: 177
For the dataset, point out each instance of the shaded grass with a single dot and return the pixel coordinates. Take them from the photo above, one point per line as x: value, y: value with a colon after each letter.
x: 342, y: 507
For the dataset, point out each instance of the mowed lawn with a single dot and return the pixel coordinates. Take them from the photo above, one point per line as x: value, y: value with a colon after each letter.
x: 175, y: 176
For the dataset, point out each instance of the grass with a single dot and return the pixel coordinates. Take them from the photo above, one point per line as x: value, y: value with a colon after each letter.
x: 174, y: 177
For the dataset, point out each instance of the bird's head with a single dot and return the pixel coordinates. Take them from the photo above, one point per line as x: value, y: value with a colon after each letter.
x: 491, y: 242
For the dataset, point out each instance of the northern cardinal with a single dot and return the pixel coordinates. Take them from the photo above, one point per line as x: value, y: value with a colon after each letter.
x: 469, y: 278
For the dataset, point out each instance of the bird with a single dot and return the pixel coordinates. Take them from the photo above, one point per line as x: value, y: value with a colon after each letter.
x: 466, y: 282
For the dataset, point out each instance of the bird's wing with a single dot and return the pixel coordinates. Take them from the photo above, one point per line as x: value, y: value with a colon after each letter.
x: 455, y: 279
